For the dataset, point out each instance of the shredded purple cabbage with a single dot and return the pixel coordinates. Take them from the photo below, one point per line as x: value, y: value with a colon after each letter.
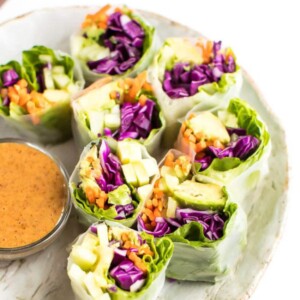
x: 9, y: 78
x: 241, y: 146
x: 213, y: 223
x: 124, y: 38
x: 124, y: 211
x: 137, y: 120
x: 126, y: 274
x: 184, y: 79
x: 111, y: 177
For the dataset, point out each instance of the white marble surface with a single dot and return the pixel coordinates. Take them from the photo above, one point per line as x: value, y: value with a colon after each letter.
x: 265, y: 47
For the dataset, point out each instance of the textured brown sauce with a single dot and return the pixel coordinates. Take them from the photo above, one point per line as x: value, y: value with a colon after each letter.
x: 32, y: 195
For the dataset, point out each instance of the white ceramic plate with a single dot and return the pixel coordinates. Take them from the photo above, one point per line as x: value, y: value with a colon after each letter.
x: 43, y: 276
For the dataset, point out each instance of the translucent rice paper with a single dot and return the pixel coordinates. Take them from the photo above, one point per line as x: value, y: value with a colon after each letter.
x: 197, y: 258
x: 83, y: 135
x: 209, y: 96
x: 240, y: 177
x: 54, y: 124
x: 154, y: 285
x: 88, y: 218
x: 150, y: 47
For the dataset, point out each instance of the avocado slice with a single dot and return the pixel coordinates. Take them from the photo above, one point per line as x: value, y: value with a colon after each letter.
x: 211, y: 127
x: 201, y: 196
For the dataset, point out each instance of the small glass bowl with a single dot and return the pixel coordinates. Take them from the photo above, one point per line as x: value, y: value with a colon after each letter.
x: 23, y: 251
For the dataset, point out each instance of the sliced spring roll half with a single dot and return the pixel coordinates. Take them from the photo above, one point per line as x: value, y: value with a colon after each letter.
x: 124, y: 108
x: 35, y: 96
x: 226, y: 144
x: 193, y: 73
x: 110, y: 261
x: 208, y: 231
x: 114, y: 41
x: 112, y: 180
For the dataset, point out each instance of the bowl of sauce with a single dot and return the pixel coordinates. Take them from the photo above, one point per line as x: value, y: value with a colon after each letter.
x: 34, y: 198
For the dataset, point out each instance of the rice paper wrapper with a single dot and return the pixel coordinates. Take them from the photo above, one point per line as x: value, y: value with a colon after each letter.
x: 239, y: 176
x: 150, y: 47
x: 209, y: 261
x: 198, y: 258
x: 82, y: 133
x: 52, y: 126
x: 209, y: 95
x: 86, y: 215
x: 164, y: 249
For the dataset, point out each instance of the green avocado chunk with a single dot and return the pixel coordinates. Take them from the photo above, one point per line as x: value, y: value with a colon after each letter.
x: 201, y: 196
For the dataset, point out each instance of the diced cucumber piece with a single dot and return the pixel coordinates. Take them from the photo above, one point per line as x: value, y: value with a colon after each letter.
x: 112, y: 121
x: 76, y: 275
x: 145, y: 191
x: 91, y: 286
x: 102, y: 232
x: 44, y: 58
x: 72, y: 88
x: 49, y: 83
x: 61, y: 80
x: 56, y: 95
x: 96, y: 119
x: 90, y: 241
x: 171, y: 182
x: 171, y: 210
x: 129, y: 174
x: 151, y: 166
x: 140, y: 172
x: 83, y: 257
x: 106, y: 255
x: 115, y: 110
x: 58, y: 70
x: 128, y: 152
x: 165, y: 170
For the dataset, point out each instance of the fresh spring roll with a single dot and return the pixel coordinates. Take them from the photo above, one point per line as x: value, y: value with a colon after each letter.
x: 208, y: 231
x: 110, y: 261
x: 112, y: 180
x: 114, y: 41
x: 230, y: 146
x: 193, y: 73
x: 35, y: 96
x: 124, y: 108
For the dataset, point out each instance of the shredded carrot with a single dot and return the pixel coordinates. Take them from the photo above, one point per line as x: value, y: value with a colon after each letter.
x: 149, y: 204
x: 143, y: 100
x: 169, y: 159
x: 99, y: 18
x: 90, y: 194
x: 138, y: 262
x: 150, y: 214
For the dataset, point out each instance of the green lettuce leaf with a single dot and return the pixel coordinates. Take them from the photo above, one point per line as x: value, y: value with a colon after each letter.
x: 197, y: 258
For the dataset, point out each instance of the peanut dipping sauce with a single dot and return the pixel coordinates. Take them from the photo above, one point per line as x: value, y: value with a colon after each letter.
x: 32, y: 194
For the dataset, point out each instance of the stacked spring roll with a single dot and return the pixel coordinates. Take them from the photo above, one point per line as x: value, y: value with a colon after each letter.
x: 114, y: 41
x: 230, y: 146
x: 110, y: 261
x: 199, y: 219
x: 193, y: 73
x: 124, y: 108
x: 112, y: 180
x: 35, y: 96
